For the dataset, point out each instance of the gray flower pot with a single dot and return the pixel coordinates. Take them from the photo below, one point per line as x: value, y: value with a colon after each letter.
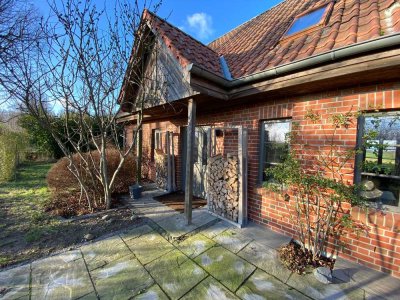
x: 135, y: 191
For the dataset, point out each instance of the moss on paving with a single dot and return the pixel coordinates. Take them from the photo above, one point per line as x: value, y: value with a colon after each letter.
x: 261, y: 285
x: 121, y: 279
x: 232, y: 240
x: 153, y: 293
x: 176, y: 273
x: 210, y: 289
x: 225, y: 266
x: 195, y: 245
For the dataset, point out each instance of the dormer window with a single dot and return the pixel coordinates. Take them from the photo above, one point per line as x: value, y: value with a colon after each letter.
x: 309, y: 19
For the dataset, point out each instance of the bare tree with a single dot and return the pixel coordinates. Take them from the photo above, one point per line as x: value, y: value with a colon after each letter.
x: 19, y: 31
x: 79, y: 71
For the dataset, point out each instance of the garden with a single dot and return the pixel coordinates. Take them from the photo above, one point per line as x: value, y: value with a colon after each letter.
x: 29, y: 229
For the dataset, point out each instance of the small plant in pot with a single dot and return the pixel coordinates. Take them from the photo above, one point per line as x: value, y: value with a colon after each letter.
x: 316, y: 194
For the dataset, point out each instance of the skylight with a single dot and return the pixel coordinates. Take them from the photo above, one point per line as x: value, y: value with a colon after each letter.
x: 307, y: 20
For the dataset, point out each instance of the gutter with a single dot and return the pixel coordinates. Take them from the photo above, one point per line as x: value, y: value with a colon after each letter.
x: 337, y: 54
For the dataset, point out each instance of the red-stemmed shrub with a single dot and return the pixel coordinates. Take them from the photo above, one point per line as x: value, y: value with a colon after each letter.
x: 65, y: 189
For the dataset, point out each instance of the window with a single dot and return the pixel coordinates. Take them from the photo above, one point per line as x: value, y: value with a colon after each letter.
x: 307, y: 20
x: 274, y: 145
x: 157, y: 139
x: 380, y: 158
x: 200, y: 147
x: 156, y: 142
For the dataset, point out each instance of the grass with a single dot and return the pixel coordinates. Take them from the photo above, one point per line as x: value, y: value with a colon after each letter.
x: 387, y: 156
x: 22, y: 202
x: 27, y: 231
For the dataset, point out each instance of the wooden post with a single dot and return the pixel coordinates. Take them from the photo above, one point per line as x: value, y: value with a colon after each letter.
x: 242, y: 151
x: 169, y: 165
x: 209, y: 143
x: 173, y: 161
x: 189, y: 159
x: 139, y: 149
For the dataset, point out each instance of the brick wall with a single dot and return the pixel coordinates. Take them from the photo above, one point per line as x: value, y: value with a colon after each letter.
x: 381, y: 248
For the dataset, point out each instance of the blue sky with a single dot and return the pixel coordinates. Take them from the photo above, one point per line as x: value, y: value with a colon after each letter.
x: 203, y: 19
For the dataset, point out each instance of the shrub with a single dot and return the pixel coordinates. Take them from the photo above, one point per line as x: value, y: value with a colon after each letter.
x: 317, y: 196
x: 12, y: 144
x: 65, y: 188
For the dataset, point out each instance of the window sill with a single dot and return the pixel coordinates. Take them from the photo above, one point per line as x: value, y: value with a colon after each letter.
x: 380, y: 175
x: 383, y: 207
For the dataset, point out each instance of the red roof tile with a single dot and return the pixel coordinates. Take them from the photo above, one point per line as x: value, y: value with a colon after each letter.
x: 185, y: 48
x: 260, y: 43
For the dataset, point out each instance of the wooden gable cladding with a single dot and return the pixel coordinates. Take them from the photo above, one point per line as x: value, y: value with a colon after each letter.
x: 164, y: 80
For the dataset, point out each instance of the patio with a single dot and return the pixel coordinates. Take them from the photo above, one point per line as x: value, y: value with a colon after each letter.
x: 165, y: 259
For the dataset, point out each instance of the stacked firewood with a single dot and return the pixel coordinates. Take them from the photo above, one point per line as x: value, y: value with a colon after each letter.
x: 161, y: 166
x: 223, y: 186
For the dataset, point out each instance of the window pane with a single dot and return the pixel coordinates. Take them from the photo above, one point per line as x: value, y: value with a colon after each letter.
x: 382, y: 142
x: 276, y: 131
x: 382, y: 157
x: 307, y: 20
x: 275, y: 143
x: 275, y: 152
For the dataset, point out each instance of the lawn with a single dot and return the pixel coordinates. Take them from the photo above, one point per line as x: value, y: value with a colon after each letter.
x: 27, y: 231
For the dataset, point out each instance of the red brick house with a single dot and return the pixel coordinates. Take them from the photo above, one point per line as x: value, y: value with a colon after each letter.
x: 328, y: 56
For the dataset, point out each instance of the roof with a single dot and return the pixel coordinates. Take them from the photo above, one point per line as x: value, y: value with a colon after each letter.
x: 256, y: 45
x: 261, y: 44
x: 185, y: 48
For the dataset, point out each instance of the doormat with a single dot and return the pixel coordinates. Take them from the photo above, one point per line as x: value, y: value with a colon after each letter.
x: 176, y: 201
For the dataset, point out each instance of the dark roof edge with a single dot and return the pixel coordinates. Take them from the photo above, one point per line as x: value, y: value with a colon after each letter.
x: 333, y: 55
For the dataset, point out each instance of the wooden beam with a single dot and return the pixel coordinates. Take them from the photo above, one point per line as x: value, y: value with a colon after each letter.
x: 139, y: 153
x: 189, y: 159
x: 171, y: 134
x: 169, y: 163
x: 242, y: 151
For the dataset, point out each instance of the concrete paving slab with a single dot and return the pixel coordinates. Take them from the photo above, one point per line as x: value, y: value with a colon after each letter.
x: 264, y: 236
x: 55, y: 278
x: 195, y: 245
x: 225, y: 266
x: 153, y: 293
x: 103, y: 252
x: 176, y: 226
x: 308, y: 285
x: 149, y: 246
x: 143, y: 204
x: 376, y: 283
x: 216, y: 229
x: 261, y: 285
x: 91, y: 296
x: 121, y: 279
x: 208, y: 289
x: 157, y: 214
x: 14, y: 283
x: 369, y: 296
x: 232, y: 240
x: 266, y: 259
x: 175, y: 273
x: 135, y: 232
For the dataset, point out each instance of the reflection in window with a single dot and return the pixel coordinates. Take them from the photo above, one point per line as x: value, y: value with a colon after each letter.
x: 157, y: 140
x: 381, y: 156
x: 307, y: 20
x: 200, y: 147
x: 275, y: 146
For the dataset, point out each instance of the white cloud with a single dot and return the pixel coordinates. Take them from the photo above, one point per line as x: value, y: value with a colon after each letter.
x: 201, y: 25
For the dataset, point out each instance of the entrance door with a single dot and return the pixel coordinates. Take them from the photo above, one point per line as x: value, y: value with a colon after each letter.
x: 199, y: 160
